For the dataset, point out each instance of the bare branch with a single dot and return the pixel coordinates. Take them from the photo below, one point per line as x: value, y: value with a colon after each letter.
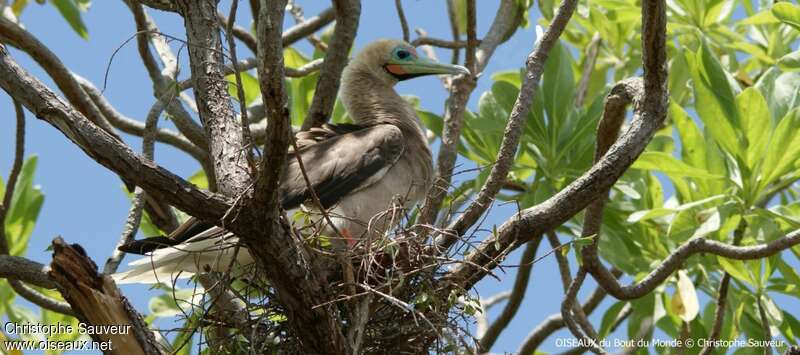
x: 105, y: 149
x: 238, y: 32
x: 722, y: 295
x: 436, y: 42
x: 555, y: 321
x: 517, y: 294
x: 398, y: 4
x: 567, y: 307
x: 137, y: 128
x: 288, y: 265
x: 16, y: 168
x: 245, y: 124
x: 135, y: 212
x: 513, y: 131
x: 453, y: 17
x: 594, y: 183
x: 148, y: 34
x: 348, y: 13
x: 16, y: 36
x: 227, y: 145
x: 462, y: 87
x: 19, y: 268
x: 164, y: 5
x: 300, y: 31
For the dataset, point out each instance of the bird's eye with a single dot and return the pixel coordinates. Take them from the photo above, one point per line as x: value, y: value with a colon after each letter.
x: 403, y: 54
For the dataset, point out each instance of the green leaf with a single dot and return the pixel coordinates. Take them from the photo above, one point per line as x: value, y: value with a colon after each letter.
x: 790, y: 62
x: 609, y: 318
x: 787, y: 13
x: 756, y: 122
x: 558, y: 85
x: 249, y: 85
x: 714, y: 99
x: 737, y: 269
x: 71, y: 12
x: 660, y: 161
x: 784, y: 148
x: 199, y: 179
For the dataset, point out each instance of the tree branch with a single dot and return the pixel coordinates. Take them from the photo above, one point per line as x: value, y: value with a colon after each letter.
x: 515, y: 300
x: 555, y: 321
x: 135, y: 211
x: 594, y: 183
x: 348, y: 13
x: 288, y: 265
x: 105, y: 149
x: 227, y: 146
x: 19, y: 268
x: 398, y: 5
x: 301, y: 30
x: 462, y: 86
x: 436, y: 42
x: 513, y: 131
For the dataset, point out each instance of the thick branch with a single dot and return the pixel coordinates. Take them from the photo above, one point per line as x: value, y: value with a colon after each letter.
x: 105, y: 149
x: 227, y: 144
x: 348, y: 13
x: 288, y: 264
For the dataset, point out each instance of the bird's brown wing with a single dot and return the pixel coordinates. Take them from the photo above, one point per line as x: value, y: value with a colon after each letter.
x: 338, y: 160
x: 341, y: 164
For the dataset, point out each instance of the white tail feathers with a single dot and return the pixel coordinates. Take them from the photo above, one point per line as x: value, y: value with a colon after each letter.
x: 198, y: 254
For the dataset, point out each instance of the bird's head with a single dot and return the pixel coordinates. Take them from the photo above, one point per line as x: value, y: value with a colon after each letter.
x: 395, y: 60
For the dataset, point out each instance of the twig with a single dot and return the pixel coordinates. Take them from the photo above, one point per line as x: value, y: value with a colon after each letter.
x: 436, y: 42
x: 481, y: 323
x: 137, y: 128
x: 238, y: 32
x: 453, y: 19
x: 252, y: 63
x: 348, y: 13
x: 300, y: 31
x: 398, y: 4
x: 722, y: 295
x: 135, y: 212
x: 517, y: 294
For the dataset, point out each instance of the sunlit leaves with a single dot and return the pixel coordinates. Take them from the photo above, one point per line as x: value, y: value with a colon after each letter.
x: 787, y: 13
x: 250, y: 87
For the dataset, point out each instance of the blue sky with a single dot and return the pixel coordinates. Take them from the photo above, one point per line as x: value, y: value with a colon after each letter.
x: 85, y: 202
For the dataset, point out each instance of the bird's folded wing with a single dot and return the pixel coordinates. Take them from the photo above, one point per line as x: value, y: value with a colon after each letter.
x: 341, y: 164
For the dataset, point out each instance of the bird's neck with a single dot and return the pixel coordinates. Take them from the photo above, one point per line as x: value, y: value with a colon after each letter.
x: 371, y: 101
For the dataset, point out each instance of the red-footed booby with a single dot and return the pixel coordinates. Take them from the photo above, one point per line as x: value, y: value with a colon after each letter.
x: 359, y: 171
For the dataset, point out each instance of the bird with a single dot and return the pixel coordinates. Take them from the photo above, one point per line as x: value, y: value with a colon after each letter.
x: 362, y: 173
